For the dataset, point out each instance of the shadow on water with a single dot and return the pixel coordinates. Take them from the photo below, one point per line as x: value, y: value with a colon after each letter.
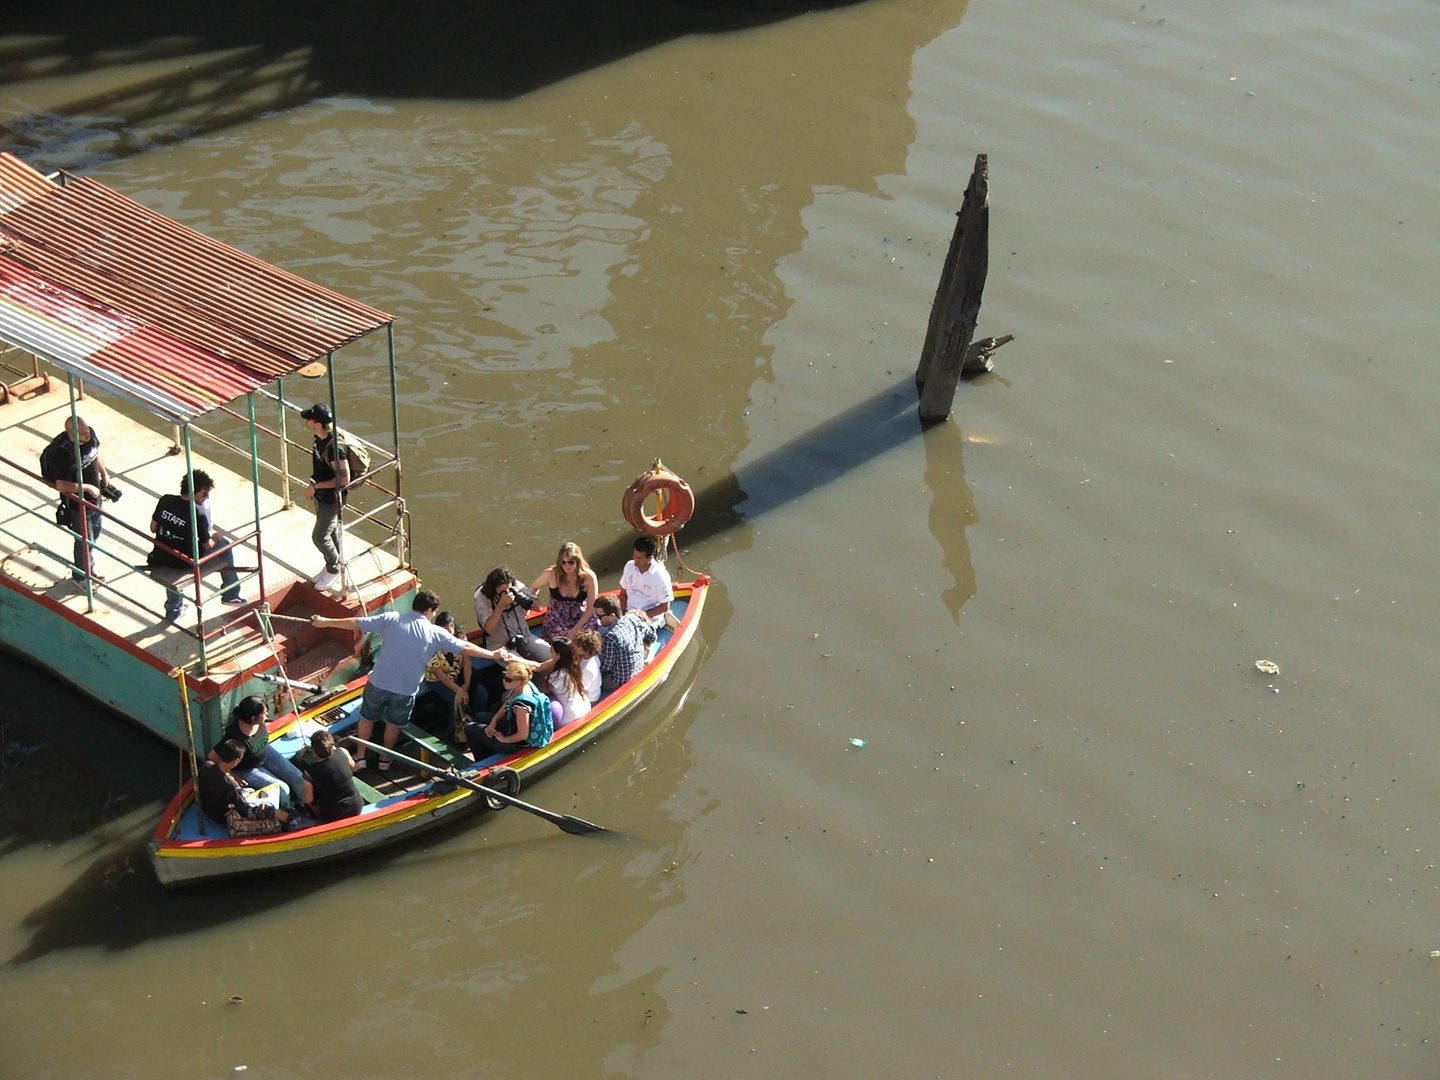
x: 105, y: 81
x: 825, y: 454
x: 116, y: 902
x: 806, y: 463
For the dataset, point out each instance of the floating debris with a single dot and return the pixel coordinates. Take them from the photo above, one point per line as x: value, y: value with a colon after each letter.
x: 857, y: 743
x: 1267, y: 667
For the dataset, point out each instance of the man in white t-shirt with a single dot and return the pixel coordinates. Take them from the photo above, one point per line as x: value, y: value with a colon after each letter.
x: 645, y: 583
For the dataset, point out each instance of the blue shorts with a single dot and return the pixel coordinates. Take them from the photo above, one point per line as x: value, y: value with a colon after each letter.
x: 382, y: 707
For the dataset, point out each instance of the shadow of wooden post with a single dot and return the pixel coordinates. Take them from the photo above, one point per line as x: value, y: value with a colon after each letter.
x: 957, y: 300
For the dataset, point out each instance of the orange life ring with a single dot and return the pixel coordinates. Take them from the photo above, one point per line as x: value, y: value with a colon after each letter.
x: 675, y: 502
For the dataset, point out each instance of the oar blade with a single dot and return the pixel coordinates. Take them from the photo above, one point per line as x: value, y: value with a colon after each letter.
x: 578, y: 826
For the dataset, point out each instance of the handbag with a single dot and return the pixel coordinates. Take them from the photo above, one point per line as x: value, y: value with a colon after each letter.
x: 242, y: 826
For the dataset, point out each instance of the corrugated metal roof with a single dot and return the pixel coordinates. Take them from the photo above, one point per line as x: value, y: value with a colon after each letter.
x: 19, y: 183
x: 204, y: 322
x: 158, y: 372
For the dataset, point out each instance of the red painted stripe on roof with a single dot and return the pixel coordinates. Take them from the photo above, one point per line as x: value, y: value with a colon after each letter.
x: 28, y: 290
x: 178, y: 369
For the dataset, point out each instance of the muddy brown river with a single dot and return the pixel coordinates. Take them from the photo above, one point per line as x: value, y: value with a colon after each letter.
x: 1085, y: 836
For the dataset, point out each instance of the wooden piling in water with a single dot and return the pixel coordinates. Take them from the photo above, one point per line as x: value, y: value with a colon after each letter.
x: 957, y: 300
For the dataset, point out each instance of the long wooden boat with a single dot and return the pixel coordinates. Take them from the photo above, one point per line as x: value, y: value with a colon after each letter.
x: 187, y: 849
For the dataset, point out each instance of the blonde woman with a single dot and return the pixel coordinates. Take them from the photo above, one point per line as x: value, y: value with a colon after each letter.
x: 523, y: 718
x: 573, y: 587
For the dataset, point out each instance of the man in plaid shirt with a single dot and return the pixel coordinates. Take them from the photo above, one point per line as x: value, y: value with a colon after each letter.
x: 627, y: 639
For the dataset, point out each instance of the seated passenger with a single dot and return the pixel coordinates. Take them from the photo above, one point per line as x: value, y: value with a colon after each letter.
x: 645, y: 583
x: 523, y: 718
x: 171, y: 525
x: 330, y: 790
x: 502, y: 620
x: 218, y: 791
x: 573, y: 588
x: 627, y: 640
x: 262, y: 764
x: 565, y: 680
x: 588, y: 644
x: 447, y: 676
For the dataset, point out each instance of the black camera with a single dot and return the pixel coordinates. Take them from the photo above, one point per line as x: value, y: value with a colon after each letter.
x: 524, y: 599
x: 110, y: 491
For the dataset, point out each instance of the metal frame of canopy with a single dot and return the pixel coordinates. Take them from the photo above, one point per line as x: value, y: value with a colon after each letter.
x: 179, y: 325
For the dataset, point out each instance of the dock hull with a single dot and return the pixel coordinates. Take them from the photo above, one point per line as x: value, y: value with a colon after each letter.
x: 121, y: 676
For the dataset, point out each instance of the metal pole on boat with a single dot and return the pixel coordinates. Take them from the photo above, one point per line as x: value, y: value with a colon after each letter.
x: 255, y: 488
x: 195, y: 551
x: 394, y: 407
x: 339, y: 495
x: 285, y: 503
x: 80, y: 500
x: 402, y: 541
x: 179, y: 674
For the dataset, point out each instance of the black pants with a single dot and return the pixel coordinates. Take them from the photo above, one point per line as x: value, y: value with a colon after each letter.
x: 482, y: 746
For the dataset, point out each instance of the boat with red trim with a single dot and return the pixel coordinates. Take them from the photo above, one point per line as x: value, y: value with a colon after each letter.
x: 187, y: 849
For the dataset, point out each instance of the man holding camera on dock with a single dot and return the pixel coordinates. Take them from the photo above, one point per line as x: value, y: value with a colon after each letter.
x: 58, y: 469
x: 329, y: 477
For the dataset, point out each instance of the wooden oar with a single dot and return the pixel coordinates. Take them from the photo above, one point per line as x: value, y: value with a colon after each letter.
x: 571, y: 824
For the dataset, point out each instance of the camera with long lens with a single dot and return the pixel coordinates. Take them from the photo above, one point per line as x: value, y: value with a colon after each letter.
x: 111, y: 492
x: 524, y: 599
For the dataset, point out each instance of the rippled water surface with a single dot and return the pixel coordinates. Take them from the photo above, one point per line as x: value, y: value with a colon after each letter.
x: 1085, y: 836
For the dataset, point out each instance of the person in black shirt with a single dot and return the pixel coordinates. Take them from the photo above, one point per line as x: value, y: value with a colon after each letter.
x: 329, y: 477
x: 219, y: 791
x: 57, y: 466
x: 171, y: 525
x: 330, y: 790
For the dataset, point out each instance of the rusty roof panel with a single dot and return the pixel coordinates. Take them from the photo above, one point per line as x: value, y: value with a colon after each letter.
x: 19, y: 183
x: 191, y: 278
x: 170, y: 377
x: 205, y: 322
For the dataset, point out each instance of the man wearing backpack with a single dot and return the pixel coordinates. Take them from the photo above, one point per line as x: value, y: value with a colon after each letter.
x: 329, y: 479
x: 57, y: 468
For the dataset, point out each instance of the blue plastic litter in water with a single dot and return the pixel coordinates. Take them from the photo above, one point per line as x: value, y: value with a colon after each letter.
x: 857, y: 743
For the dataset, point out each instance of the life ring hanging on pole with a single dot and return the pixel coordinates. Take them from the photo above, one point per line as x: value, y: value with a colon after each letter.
x: 674, y: 505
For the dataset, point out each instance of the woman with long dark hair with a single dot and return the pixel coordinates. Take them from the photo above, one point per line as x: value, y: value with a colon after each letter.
x: 262, y: 765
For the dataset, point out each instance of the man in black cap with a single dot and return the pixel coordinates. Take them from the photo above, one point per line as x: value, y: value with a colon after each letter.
x: 329, y: 477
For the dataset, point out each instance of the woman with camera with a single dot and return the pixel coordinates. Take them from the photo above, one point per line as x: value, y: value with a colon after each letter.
x: 501, y: 607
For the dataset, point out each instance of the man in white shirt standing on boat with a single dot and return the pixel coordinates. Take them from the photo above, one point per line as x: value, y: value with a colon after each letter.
x: 407, y: 642
x: 329, y: 477
x: 645, y: 583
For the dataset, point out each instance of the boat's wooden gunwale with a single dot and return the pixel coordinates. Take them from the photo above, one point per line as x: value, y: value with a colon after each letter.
x: 181, y: 862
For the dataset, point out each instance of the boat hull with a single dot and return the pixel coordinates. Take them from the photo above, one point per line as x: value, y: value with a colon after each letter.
x: 180, y: 862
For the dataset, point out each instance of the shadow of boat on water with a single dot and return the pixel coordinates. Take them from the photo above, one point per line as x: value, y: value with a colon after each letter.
x: 116, y: 902
x: 821, y: 456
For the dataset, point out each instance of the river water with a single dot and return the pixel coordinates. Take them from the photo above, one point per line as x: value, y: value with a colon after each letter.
x: 1085, y: 836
